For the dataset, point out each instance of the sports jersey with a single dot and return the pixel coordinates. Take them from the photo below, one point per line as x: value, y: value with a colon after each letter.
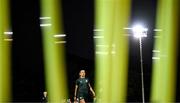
x: 83, y: 88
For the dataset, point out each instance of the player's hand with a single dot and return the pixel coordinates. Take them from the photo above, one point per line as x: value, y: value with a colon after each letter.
x: 94, y: 96
x: 94, y: 99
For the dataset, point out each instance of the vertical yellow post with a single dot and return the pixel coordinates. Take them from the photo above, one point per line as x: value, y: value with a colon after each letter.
x: 164, y: 64
x: 5, y: 83
x: 120, y: 56
x: 111, y: 50
x: 53, y: 53
x: 104, y: 22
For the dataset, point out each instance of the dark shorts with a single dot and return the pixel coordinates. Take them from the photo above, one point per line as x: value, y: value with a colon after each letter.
x: 83, y: 95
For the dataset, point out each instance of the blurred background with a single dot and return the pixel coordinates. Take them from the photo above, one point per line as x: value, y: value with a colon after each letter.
x: 78, y: 20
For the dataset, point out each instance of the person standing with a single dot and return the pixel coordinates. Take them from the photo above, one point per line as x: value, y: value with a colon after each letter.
x: 82, y: 87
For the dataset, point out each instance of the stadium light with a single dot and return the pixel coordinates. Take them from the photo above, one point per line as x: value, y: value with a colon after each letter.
x: 138, y: 32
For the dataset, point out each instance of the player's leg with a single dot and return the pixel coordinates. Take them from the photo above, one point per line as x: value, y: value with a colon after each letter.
x: 82, y: 98
x: 82, y: 101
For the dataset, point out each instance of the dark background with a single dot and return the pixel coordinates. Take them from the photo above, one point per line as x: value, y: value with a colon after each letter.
x: 78, y: 19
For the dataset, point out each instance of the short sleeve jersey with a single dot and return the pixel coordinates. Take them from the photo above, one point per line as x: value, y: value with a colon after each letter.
x: 82, y: 85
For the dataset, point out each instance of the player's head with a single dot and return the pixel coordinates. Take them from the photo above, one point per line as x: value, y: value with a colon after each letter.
x: 82, y: 73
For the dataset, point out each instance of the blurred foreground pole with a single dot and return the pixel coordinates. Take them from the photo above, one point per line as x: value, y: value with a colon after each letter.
x: 111, y: 50
x: 5, y: 78
x: 164, y: 61
x: 51, y: 25
x: 120, y: 56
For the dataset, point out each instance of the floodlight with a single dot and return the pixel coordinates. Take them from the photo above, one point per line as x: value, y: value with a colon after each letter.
x: 139, y: 31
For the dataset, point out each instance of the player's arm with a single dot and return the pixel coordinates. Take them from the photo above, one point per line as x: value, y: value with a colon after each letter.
x: 92, y: 91
x: 75, y: 92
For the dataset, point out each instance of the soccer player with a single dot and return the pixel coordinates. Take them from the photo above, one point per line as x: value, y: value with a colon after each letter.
x: 82, y: 87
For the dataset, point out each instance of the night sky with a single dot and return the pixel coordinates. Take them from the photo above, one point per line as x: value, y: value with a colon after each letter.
x: 78, y: 20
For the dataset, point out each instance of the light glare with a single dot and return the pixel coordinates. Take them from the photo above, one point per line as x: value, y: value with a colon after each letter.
x: 139, y: 31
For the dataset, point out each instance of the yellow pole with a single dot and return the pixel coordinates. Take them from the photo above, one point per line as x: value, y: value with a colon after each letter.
x: 104, y: 22
x: 5, y: 77
x: 164, y: 65
x: 53, y: 53
x: 120, y: 56
x: 111, y: 50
